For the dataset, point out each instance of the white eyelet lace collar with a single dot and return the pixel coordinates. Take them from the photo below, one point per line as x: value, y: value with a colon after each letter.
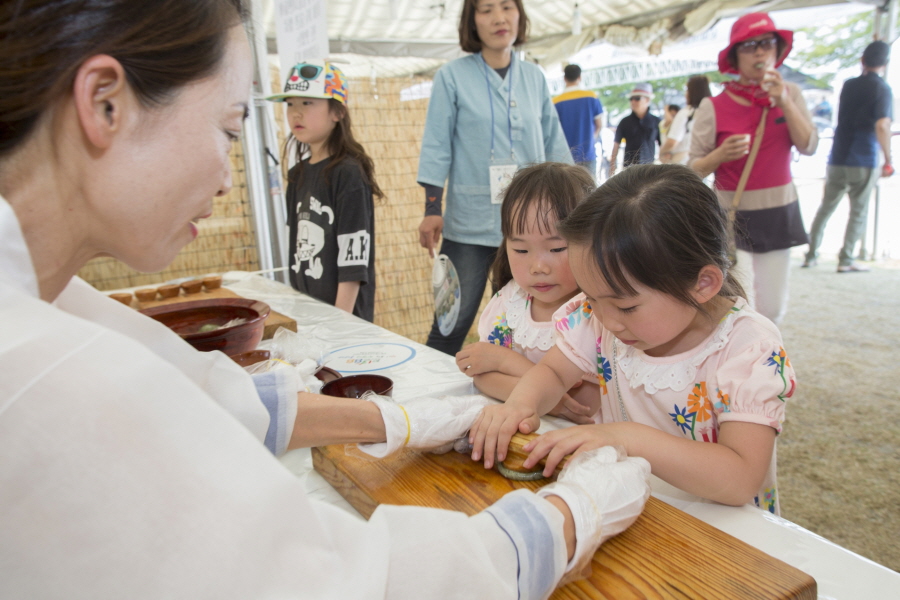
x: 674, y: 372
x: 526, y: 332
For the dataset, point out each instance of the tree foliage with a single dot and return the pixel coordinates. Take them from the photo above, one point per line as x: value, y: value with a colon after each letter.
x: 836, y: 44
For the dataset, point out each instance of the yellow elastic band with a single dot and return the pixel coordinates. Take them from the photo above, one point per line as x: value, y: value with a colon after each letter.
x: 408, y: 426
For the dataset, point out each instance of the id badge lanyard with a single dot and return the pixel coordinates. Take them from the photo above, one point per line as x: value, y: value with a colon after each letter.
x: 500, y: 172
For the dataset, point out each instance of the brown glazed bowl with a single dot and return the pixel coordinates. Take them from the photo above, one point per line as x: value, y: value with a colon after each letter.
x: 327, y: 375
x: 212, y: 283
x: 245, y: 359
x: 354, y: 386
x: 192, y: 287
x: 186, y: 319
x: 146, y: 294
x: 122, y: 297
x: 169, y: 291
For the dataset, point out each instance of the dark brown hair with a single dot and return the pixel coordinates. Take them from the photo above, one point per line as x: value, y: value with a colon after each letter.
x: 468, y: 33
x: 161, y: 44
x: 555, y: 189
x: 341, y: 144
x: 657, y: 224
x: 697, y: 89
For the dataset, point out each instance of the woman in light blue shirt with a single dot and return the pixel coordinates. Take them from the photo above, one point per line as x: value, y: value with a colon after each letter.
x: 489, y: 114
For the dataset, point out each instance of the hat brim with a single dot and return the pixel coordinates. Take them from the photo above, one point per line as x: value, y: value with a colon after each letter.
x: 285, y: 96
x: 644, y: 94
x: 784, y: 34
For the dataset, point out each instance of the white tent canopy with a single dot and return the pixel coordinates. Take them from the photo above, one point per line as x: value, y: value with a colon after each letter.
x: 405, y: 37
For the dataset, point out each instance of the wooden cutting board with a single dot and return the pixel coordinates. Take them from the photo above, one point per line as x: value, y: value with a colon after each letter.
x: 273, y: 321
x: 666, y: 554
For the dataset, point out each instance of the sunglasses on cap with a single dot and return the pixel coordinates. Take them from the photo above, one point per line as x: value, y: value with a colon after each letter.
x: 308, y: 71
x: 750, y: 46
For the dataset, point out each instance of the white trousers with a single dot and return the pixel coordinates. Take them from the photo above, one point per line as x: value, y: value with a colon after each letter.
x: 764, y: 276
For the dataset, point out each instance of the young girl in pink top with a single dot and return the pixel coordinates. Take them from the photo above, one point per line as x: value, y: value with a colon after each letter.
x: 531, y: 271
x: 692, y: 378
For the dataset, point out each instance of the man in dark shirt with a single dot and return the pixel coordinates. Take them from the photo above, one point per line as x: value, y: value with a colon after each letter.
x: 864, y: 124
x: 640, y: 130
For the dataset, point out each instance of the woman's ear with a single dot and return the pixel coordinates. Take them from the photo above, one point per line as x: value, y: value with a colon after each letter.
x: 99, y: 93
x: 709, y: 283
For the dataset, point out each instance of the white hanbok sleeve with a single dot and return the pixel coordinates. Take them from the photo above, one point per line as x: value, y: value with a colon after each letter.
x: 219, y: 376
x: 130, y: 481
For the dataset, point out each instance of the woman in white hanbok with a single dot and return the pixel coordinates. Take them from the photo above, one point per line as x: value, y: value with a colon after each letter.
x: 134, y: 466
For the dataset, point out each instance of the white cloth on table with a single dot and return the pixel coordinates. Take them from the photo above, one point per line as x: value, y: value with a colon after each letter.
x: 134, y: 467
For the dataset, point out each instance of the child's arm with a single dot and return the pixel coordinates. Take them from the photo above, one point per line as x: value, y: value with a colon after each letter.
x: 729, y: 471
x: 346, y: 295
x: 496, y: 371
x: 537, y: 392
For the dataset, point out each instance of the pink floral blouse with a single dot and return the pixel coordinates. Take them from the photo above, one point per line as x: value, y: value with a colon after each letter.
x: 739, y: 373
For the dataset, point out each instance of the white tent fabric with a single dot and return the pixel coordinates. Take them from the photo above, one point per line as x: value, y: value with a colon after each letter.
x: 405, y: 37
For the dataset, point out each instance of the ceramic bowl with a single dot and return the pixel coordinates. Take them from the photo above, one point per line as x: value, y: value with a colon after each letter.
x: 245, y: 359
x: 169, y: 291
x: 122, y: 297
x: 187, y: 318
x: 212, y: 283
x: 327, y: 375
x: 354, y: 386
x: 146, y: 294
x: 192, y: 287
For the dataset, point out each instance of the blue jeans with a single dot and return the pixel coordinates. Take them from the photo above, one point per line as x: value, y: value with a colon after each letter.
x: 472, y: 264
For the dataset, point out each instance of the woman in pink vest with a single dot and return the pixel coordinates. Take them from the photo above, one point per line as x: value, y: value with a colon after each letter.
x: 767, y: 219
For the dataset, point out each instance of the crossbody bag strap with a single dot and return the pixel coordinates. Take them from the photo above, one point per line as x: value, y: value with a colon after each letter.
x: 748, y: 166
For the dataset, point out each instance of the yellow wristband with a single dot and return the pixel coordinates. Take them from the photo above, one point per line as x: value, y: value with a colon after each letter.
x: 408, y: 426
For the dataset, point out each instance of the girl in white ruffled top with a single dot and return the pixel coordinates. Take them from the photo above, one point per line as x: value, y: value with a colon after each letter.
x: 531, y: 271
x: 692, y: 378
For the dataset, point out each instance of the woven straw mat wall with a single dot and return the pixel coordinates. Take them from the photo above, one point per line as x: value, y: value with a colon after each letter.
x: 226, y: 241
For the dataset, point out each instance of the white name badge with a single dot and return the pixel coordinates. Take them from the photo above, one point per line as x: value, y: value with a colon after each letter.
x: 500, y: 176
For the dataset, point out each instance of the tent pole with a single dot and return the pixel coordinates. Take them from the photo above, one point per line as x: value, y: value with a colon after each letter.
x: 260, y: 148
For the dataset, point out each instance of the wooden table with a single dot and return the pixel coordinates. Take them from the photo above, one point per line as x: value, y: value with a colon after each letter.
x: 666, y: 554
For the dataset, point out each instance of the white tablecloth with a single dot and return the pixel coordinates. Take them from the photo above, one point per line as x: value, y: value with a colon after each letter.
x: 840, y: 574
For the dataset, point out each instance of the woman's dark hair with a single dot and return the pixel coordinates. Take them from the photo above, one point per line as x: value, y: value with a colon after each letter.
x: 555, y: 189
x: 657, y: 224
x: 697, y: 90
x: 161, y: 44
x: 468, y: 33
x: 341, y: 144
x: 732, y: 52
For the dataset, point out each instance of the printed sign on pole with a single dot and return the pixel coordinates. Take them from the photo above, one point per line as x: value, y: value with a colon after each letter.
x: 301, y: 29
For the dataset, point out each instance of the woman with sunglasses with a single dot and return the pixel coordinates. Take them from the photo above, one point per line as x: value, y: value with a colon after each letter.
x: 767, y: 220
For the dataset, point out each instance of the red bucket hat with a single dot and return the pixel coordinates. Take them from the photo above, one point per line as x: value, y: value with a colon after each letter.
x: 752, y: 25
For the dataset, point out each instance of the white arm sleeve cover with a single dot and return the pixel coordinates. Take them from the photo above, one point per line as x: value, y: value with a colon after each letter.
x: 514, y: 549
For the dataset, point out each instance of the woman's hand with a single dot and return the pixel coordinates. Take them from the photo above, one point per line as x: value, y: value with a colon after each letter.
x: 774, y: 85
x: 555, y: 445
x: 480, y: 357
x: 734, y: 147
x: 430, y: 232
x: 495, y: 426
x: 573, y: 410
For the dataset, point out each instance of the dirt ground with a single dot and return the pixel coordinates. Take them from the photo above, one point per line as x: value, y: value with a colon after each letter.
x: 839, y: 454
